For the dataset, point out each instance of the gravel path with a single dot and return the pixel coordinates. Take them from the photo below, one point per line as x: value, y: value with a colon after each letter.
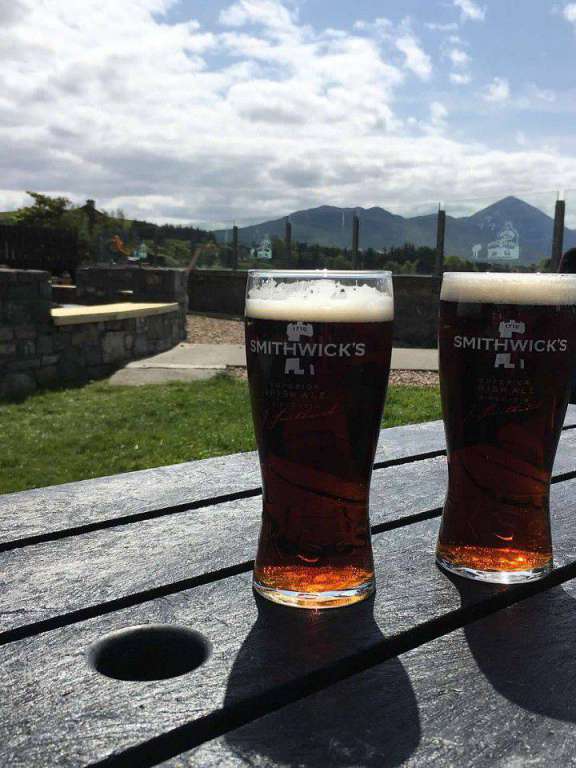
x: 215, y: 330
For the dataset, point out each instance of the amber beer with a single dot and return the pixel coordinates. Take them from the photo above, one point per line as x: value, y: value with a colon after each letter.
x: 507, y: 352
x: 318, y: 348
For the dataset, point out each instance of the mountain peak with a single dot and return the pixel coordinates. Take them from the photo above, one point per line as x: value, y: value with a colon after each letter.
x: 509, y: 207
x: 467, y: 237
x: 510, y: 199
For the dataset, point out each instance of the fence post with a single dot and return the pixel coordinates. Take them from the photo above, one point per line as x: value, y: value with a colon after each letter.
x: 90, y: 209
x: 558, y: 237
x: 234, y: 247
x: 440, y: 239
x: 288, y: 238
x: 155, y: 246
x: 355, y: 240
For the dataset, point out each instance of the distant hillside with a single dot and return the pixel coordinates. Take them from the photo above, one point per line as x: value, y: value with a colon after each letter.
x: 77, y: 218
x: 508, y: 223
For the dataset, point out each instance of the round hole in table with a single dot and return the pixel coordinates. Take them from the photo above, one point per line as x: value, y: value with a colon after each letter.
x: 149, y: 652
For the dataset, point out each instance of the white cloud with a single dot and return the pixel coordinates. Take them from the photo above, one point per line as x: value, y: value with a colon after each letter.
x: 402, y: 38
x: 458, y: 57
x: 11, y: 200
x: 569, y: 12
x: 416, y: 59
x: 498, y: 91
x: 268, y: 13
x: 250, y: 120
x: 381, y: 25
x: 438, y: 114
x: 459, y: 60
x: 470, y: 10
x: 543, y: 94
x: 460, y: 78
x: 536, y: 99
x: 452, y: 27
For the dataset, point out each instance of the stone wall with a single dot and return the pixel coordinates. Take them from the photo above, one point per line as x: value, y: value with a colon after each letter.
x: 416, y: 300
x: 107, y: 284
x: 39, y: 348
x: 220, y: 292
x: 416, y: 305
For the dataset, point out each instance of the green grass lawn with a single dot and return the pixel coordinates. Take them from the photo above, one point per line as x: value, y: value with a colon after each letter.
x: 75, y: 434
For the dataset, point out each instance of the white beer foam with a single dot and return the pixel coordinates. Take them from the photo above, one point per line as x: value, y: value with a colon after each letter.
x: 517, y: 288
x: 322, y: 300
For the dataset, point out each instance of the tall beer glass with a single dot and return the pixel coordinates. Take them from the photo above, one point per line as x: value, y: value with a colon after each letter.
x: 507, y: 347
x: 318, y: 345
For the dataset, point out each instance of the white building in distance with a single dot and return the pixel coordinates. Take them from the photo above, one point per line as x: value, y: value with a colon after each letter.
x: 507, y: 246
x: 263, y: 250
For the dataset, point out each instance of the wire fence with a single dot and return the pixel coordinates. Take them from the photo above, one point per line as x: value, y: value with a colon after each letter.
x: 515, y: 233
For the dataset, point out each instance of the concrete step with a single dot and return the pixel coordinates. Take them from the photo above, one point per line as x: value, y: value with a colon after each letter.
x: 193, y: 362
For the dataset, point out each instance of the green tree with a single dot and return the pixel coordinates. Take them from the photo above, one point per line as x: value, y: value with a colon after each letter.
x: 456, y: 264
x: 46, y: 211
x: 281, y: 259
x: 543, y: 266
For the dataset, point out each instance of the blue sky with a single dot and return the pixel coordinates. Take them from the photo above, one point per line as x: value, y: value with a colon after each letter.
x: 529, y: 44
x: 218, y: 110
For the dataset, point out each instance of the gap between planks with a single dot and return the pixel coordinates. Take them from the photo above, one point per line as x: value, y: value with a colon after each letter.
x: 152, y: 514
x: 172, y: 743
x: 65, y: 533
x: 138, y: 598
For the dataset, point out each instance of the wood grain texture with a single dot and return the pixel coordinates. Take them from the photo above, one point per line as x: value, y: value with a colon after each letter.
x: 55, y: 577
x: 499, y: 692
x: 91, y: 502
x: 60, y: 507
x: 60, y: 712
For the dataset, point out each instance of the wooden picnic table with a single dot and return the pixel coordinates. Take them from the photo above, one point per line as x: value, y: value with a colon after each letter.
x: 433, y: 671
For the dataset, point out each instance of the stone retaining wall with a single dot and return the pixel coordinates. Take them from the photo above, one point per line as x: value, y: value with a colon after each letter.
x: 64, y: 294
x: 416, y: 300
x: 105, y: 284
x: 38, y: 348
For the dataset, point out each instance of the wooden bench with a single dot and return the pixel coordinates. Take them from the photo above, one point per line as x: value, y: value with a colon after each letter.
x: 433, y: 671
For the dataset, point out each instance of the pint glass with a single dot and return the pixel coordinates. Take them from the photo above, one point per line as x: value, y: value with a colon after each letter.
x: 507, y: 346
x: 318, y: 346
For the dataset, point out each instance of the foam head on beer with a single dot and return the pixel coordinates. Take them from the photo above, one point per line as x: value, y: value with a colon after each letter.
x: 526, y: 289
x: 321, y: 300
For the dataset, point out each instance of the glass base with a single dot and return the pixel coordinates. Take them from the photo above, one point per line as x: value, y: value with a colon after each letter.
x: 495, y: 577
x: 335, y: 599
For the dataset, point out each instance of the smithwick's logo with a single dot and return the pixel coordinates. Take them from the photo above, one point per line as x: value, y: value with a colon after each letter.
x: 295, y: 331
x: 296, y: 351
x: 510, y: 341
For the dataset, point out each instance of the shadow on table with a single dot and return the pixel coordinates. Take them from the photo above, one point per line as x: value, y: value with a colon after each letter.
x: 527, y: 650
x: 370, y: 719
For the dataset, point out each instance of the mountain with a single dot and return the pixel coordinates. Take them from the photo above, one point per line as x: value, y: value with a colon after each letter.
x: 508, y: 229
x: 534, y: 227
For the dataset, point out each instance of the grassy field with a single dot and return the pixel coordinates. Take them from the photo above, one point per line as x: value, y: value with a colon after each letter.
x: 75, y: 434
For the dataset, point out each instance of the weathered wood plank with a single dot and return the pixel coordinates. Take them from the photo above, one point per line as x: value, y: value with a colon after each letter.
x: 60, y: 712
x: 59, y: 507
x: 498, y: 693
x: 56, y: 577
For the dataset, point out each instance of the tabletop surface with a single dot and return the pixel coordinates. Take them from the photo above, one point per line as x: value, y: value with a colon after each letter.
x: 432, y: 671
